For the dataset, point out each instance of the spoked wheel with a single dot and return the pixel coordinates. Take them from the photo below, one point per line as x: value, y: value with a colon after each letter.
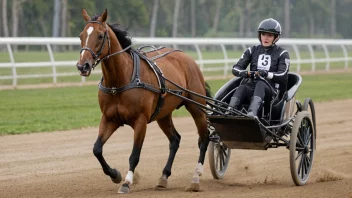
x: 219, y: 157
x: 309, y: 106
x: 302, y: 148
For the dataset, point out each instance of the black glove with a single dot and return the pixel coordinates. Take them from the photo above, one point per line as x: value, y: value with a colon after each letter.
x: 243, y: 74
x: 252, y: 75
x: 263, y: 73
x: 240, y: 73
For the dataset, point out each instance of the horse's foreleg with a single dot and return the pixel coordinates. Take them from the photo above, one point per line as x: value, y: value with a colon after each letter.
x: 174, y: 138
x: 105, y: 131
x: 140, y: 128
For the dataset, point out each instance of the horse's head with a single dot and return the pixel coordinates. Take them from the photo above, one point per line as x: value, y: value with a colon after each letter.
x: 95, y: 42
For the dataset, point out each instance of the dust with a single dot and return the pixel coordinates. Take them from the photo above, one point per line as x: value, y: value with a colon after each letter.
x: 329, y: 175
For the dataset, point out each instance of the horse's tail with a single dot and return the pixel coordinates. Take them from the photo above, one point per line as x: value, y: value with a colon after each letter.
x: 207, y: 90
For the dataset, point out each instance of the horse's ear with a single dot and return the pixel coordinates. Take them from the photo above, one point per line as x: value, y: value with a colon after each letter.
x: 104, y: 16
x: 85, y: 15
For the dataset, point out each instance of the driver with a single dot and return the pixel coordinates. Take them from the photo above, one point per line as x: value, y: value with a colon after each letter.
x: 266, y: 60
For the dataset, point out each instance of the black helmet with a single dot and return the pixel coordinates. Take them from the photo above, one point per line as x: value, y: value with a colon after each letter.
x: 270, y: 26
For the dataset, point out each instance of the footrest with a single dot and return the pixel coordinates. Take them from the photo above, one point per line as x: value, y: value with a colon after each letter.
x: 239, y: 132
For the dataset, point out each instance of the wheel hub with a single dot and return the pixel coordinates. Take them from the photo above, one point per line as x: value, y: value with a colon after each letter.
x: 306, y: 150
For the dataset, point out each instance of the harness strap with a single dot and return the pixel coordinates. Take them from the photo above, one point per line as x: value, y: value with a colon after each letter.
x: 151, y: 50
x: 135, y: 80
x: 136, y: 66
x: 161, y: 55
x: 163, y: 89
x: 136, y: 83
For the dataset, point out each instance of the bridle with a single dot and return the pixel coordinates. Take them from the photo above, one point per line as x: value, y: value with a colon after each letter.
x: 97, y: 60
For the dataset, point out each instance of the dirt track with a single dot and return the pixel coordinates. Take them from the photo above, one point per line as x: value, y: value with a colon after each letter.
x: 61, y: 164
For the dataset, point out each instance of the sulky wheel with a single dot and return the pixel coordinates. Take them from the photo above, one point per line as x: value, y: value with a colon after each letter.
x: 219, y: 157
x: 309, y: 106
x: 302, y: 148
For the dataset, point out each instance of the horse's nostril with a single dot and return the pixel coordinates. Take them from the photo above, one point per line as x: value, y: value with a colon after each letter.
x: 86, y: 67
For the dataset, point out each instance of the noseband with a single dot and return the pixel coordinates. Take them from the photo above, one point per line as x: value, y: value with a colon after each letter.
x: 97, y: 60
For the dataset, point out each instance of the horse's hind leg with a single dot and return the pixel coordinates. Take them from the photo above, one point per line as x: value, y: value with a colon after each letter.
x: 168, y: 128
x: 203, y: 141
x: 105, y: 130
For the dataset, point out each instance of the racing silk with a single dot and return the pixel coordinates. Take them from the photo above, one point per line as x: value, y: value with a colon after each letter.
x: 274, y: 59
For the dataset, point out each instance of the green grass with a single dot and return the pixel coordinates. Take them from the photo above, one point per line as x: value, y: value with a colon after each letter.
x: 26, y: 111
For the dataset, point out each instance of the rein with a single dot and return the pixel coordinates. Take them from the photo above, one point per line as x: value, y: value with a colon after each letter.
x: 97, y: 60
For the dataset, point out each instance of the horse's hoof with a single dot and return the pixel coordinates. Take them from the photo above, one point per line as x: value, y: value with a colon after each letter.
x: 162, y: 184
x: 195, y: 180
x: 124, y: 189
x: 115, y: 176
x: 194, y: 187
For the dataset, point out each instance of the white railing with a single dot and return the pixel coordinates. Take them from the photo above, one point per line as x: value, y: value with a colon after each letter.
x: 197, y: 43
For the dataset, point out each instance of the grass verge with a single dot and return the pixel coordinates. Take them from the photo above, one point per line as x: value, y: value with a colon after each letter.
x: 37, y: 110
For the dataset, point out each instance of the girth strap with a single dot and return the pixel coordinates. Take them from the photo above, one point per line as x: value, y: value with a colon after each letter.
x: 162, y: 85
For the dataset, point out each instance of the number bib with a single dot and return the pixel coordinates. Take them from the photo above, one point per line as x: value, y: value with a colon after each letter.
x: 264, y: 62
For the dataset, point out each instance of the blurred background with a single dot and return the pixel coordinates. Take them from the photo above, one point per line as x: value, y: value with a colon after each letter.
x: 39, y: 48
x: 179, y: 18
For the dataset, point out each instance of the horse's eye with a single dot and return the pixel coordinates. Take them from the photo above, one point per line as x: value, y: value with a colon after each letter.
x: 100, y: 36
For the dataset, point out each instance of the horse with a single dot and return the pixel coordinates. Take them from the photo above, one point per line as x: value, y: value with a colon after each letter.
x: 131, y: 90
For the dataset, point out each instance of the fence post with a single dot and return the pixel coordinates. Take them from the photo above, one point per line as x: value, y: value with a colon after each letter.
x: 298, y: 57
x: 327, y: 66
x: 346, y: 56
x: 52, y: 60
x: 312, y: 57
x: 200, y: 57
x: 226, y: 66
x: 12, y: 59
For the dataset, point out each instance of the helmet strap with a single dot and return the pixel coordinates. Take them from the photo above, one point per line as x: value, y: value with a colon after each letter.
x: 276, y: 38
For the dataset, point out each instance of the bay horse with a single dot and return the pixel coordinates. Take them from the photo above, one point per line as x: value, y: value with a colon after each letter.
x: 131, y: 90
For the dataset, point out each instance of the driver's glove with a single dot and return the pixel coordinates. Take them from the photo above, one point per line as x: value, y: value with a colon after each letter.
x: 263, y: 73
x: 240, y: 73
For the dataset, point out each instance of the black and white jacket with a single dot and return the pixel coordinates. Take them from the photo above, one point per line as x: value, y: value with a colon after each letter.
x: 274, y: 59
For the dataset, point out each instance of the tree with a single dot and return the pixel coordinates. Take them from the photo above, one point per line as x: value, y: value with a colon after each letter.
x: 248, y: 16
x: 193, y: 18
x: 4, y: 18
x: 166, y: 18
x: 287, y: 24
x: 175, y: 19
x: 15, y: 20
x: 217, y: 16
x: 333, y: 18
x: 154, y: 18
x: 56, y: 19
x: 63, y: 18
x: 15, y: 17
x: 241, y: 18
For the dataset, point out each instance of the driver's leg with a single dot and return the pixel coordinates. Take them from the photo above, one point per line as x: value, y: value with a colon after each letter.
x: 239, y: 96
x: 261, y: 91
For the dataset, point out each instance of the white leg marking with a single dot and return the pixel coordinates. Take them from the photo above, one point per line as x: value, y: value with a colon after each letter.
x: 89, y: 31
x: 197, y: 173
x: 129, y: 177
x: 199, y: 169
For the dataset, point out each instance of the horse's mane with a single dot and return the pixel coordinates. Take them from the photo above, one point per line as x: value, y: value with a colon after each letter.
x: 121, y: 34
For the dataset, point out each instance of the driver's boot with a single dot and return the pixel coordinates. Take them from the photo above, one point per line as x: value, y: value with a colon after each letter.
x: 253, y: 109
x: 234, y: 104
